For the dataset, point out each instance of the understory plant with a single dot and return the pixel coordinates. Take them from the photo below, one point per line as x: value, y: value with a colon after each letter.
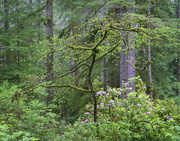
x: 124, y: 114
x: 25, y: 117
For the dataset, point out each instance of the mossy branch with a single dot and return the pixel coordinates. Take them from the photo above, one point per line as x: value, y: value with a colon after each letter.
x: 100, y: 41
x: 141, y: 69
x: 80, y: 75
x: 89, y: 48
x: 79, y: 47
x: 130, y: 29
x: 57, y: 86
x: 64, y: 74
x: 81, y: 61
x: 114, y: 47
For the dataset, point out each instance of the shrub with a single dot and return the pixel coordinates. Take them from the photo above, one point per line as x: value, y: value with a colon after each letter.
x: 133, y: 117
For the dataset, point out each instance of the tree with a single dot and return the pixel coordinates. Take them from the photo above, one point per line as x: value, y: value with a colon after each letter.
x: 127, y: 71
x: 163, y: 66
x: 149, y: 54
x: 179, y: 53
x: 50, y: 61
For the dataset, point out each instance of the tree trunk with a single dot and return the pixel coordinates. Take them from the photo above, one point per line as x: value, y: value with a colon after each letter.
x: 6, y: 11
x: 49, y: 28
x: 18, y: 53
x: 30, y: 24
x: 179, y: 53
x: 149, y: 54
x: 104, y: 73
x: 38, y: 24
x: 2, y: 44
x: 127, y: 71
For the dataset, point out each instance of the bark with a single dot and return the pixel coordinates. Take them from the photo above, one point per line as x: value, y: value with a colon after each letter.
x: 104, y: 73
x: 2, y: 45
x: 179, y: 54
x: 91, y: 86
x: 6, y: 11
x: 74, y: 31
x: 149, y: 55
x: 49, y: 28
x: 127, y: 71
x: 131, y: 58
x: 131, y: 53
x: 38, y: 24
x: 17, y: 28
x: 30, y: 24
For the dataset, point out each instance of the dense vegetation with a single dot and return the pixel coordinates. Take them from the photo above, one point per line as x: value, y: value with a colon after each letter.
x: 90, y: 70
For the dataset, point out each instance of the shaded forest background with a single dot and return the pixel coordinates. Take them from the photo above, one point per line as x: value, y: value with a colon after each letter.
x: 57, y: 54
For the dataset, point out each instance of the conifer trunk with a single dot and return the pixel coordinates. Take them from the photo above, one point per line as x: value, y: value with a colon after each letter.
x: 179, y: 53
x: 149, y: 55
x: 6, y: 11
x: 38, y: 24
x: 104, y: 75
x: 127, y: 71
x: 17, y: 25
x: 49, y: 28
x: 2, y: 44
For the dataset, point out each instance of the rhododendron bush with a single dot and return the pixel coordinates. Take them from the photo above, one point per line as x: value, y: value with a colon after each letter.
x: 127, y: 115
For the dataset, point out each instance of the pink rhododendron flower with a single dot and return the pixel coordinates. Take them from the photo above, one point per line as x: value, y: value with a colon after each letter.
x: 120, y: 103
x: 92, y: 119
x: 126, y: 83
x: 150, y: 108
x: 139, y: 96
x: 102, y: 119
x: 147, y: 100
x: 107, y: 93
x: 92, y: 108
x: 103, y: 92
x: 144, y: 87
x: 119, y: 92
x: 103, y: 99
x: 107, y: 107
x: 138, y: 104
x: 86, y: 120
x: 144, y: 92
x: 81, y: 122
x: 156, y: 124
x: 97, y: 106
x: 125, y: 101
x: 170, y: 118
x: 87, y: 113
x: 101, y: 103
x: 112, y: 101
x: 98, y: 92
x: 127, y: 88
x: 109, y: 104
x: 148, y: 112
x: 163, y: 109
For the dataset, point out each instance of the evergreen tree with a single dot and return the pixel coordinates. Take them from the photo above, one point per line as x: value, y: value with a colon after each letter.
x: 50, y: 61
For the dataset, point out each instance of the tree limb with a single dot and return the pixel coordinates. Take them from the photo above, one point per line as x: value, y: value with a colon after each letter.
x: 57, y: 86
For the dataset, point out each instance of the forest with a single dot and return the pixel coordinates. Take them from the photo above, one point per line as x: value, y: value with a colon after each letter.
x: 91, y: 70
